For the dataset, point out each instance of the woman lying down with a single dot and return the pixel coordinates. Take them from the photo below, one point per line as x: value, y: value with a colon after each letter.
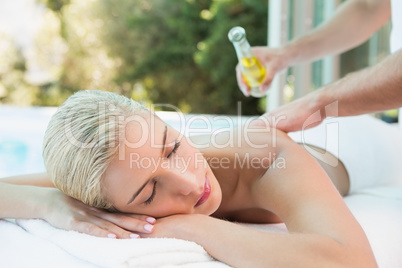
x: 124, y: 173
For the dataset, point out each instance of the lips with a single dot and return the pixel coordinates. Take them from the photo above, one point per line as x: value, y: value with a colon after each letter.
x: 205, y: 194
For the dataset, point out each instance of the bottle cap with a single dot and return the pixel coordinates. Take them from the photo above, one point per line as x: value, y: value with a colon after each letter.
x: 236, y: 34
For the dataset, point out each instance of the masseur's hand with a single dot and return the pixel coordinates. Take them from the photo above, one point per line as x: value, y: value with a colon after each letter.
x: 68, y: 213
x: 273, y: 59
x: 300, y: 114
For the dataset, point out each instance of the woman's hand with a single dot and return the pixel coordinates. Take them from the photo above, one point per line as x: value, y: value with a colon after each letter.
x: 273, y: 59
x: 68, y: 213
x: 181, y: 226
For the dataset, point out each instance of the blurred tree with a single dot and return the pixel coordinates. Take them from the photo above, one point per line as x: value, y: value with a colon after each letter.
x: 156, y: 42
x: 13, y: 85
x: 217, y: 56
x: 49, y: 57
x: 179, y: 49
x: 76, y: 59
x: 174, y: 51
x: 55, y: 5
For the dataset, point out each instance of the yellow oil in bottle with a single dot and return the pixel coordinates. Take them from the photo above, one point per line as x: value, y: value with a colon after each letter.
x: 253, y: 72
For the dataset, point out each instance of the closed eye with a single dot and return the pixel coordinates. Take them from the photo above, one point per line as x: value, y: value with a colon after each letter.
x: 151, y: 198
x: 175, y: 147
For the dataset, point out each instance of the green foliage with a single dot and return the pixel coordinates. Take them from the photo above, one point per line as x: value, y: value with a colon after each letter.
x: 13, y: 86
x: 179, y: 51
x: 158, y: 51
x: 218, y: 58
x: 55, y: 5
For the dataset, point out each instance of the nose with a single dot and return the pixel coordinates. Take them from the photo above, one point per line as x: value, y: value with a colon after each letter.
x: 184, y: 183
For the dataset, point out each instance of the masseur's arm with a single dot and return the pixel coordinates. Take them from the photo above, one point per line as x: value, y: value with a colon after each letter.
x: 322, y: 231
x: 33, y: 196
x: 373, y: 89
x: 353, y: 22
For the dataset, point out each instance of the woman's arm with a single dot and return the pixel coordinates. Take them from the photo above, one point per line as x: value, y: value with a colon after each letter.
x: 240, y: 246
x: 38, y: 179
x: 21, y: 197
x: 18, y: 201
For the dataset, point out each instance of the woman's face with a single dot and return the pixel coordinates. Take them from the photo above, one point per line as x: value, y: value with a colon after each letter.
x: 158, y: 173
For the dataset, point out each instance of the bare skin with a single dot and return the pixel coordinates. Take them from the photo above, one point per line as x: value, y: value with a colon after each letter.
x: 299, y: 193
x: 338, y: 174
x: 236, y: 181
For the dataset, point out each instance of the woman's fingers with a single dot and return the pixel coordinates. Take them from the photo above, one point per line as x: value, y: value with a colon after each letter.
x: 118, y: 230
x: 130, y: 222
x: 92, y: 229
x: 70, y: 214
x: 146, y: 218
x: 99, y: 227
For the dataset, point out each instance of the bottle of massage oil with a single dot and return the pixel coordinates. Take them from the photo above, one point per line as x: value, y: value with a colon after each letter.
x: 253, y: 71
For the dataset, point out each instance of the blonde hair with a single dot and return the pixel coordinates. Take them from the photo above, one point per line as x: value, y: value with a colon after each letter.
x: 81, y: 140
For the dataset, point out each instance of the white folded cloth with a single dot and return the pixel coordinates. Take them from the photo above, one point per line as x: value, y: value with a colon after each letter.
x: 19, y: 248
x: 35, y: 243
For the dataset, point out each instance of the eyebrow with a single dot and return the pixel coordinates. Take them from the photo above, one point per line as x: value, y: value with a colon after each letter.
x: 145, y: 184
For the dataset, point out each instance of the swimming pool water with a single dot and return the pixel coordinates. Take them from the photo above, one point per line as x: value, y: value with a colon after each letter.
x: 21, y: 134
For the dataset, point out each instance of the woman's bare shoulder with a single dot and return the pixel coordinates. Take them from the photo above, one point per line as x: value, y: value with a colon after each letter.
x: 300, y: 192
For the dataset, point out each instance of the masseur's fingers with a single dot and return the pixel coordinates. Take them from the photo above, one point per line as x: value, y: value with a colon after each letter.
x: 269, y: 76
x: 241, y: 83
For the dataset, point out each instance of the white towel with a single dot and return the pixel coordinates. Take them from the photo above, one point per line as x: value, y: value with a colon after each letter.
x: 35, y: 243
x: 18, y: 248
x: 44, y: 246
